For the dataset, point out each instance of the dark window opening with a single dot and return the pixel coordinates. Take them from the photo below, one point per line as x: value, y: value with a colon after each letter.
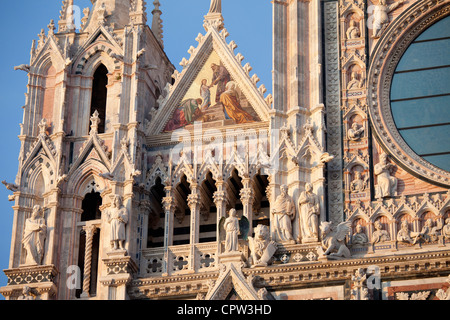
x: 99, y: 96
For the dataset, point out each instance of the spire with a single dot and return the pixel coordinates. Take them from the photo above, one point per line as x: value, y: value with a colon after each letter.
x: 138, y: 12
x: 157, y: 26
x: 66, y: 19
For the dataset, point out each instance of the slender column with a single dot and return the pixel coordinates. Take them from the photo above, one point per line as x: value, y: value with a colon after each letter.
x: 90, y: 231
x: 194, y: 205
x: 220, y: 200
x: 169, y: 209
x: 247, y: 196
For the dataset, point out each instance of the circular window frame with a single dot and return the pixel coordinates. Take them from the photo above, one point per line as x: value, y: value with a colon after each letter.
x: 384, y: 60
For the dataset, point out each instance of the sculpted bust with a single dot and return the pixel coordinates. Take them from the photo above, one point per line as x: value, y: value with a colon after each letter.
x: 380, y: 235
x: 359, y: 237
x: 355, y: 132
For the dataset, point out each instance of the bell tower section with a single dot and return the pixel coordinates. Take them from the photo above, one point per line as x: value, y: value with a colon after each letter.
x: 89, y: 95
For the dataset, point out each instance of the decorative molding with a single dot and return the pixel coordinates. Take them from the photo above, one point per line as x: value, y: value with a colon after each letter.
x: 386, y: 55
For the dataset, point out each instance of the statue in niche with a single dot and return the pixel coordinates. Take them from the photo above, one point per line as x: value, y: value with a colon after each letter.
x: 354, y: 83
x: 355, y: 132
x: 387, y: 184
x: 309, y: 214
x: 261, y: 247
x: 117, y: 218
x: 360, y: 236
x: 353, y: 30
x: 379, y: 235
x: 446, y: 229
x: 428, y: 232
x: 380, y: 16
x: 283, y: 214
x: 34, y: 237
x: 231, y: 226
x: 358, y: 184
x: 404, y: 234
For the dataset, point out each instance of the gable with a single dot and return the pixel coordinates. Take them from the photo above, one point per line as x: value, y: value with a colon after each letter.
x: 214, y: 98
x: 234, y: 101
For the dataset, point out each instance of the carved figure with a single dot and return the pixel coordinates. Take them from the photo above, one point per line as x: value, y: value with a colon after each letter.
x: 380, y: 235
x: 216, y: 6
x: 355, y: 132
x: 10, y: 186
x: 446, y: 229
x: 358, y: 184
x: 26, y: 294
x: 231, y: 227
x: 353, y: 30
x: 360, y: 236
x: 283, y: 214
x: 333, y: 240
x: 387, y: 184
x: 117, y: 218
x: 34, y: 237
x: 404, y: 234
x: 23, y: 67
x: 354, y: 83
x: 261, y: 247
x: 380, y: 16
x: 428, y: 232
x: 309, y: 214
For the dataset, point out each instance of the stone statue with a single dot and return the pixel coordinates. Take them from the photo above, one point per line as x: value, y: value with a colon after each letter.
x: 354, y: 83
x: 353, y: 30
x: 261, y: 247
x: 216, y: 6
x: 283, y: 214
x: 380, y: 235
x: 358, y: 184
x: 117, y: 218
x: 387, y: 185
x: 26, y: 294
x: 309, y: 214
x: 360, y: 236
x: 428, y: 233
x: 34, y: 237
x: 355, y: 132
x: 404, y: 234
x: 333, y: 239
x: 446, y: 229
x: 380, y: 16
x: 231, y: 227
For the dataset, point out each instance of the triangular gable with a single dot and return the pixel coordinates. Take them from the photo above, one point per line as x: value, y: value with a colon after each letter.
x: 88, y: 153
x: 186, y: 100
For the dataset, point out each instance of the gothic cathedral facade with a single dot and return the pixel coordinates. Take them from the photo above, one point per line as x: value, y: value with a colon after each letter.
x: 140, y: 181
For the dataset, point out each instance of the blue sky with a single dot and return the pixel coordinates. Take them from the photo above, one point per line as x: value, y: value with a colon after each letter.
x: 249, y: 23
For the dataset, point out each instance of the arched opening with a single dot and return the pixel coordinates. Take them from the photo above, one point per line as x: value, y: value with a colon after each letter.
x: 99, y: 95
x: 91, y: 207
x: 155, y: 236
x: 208, y: 224
x: 91, y: 211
